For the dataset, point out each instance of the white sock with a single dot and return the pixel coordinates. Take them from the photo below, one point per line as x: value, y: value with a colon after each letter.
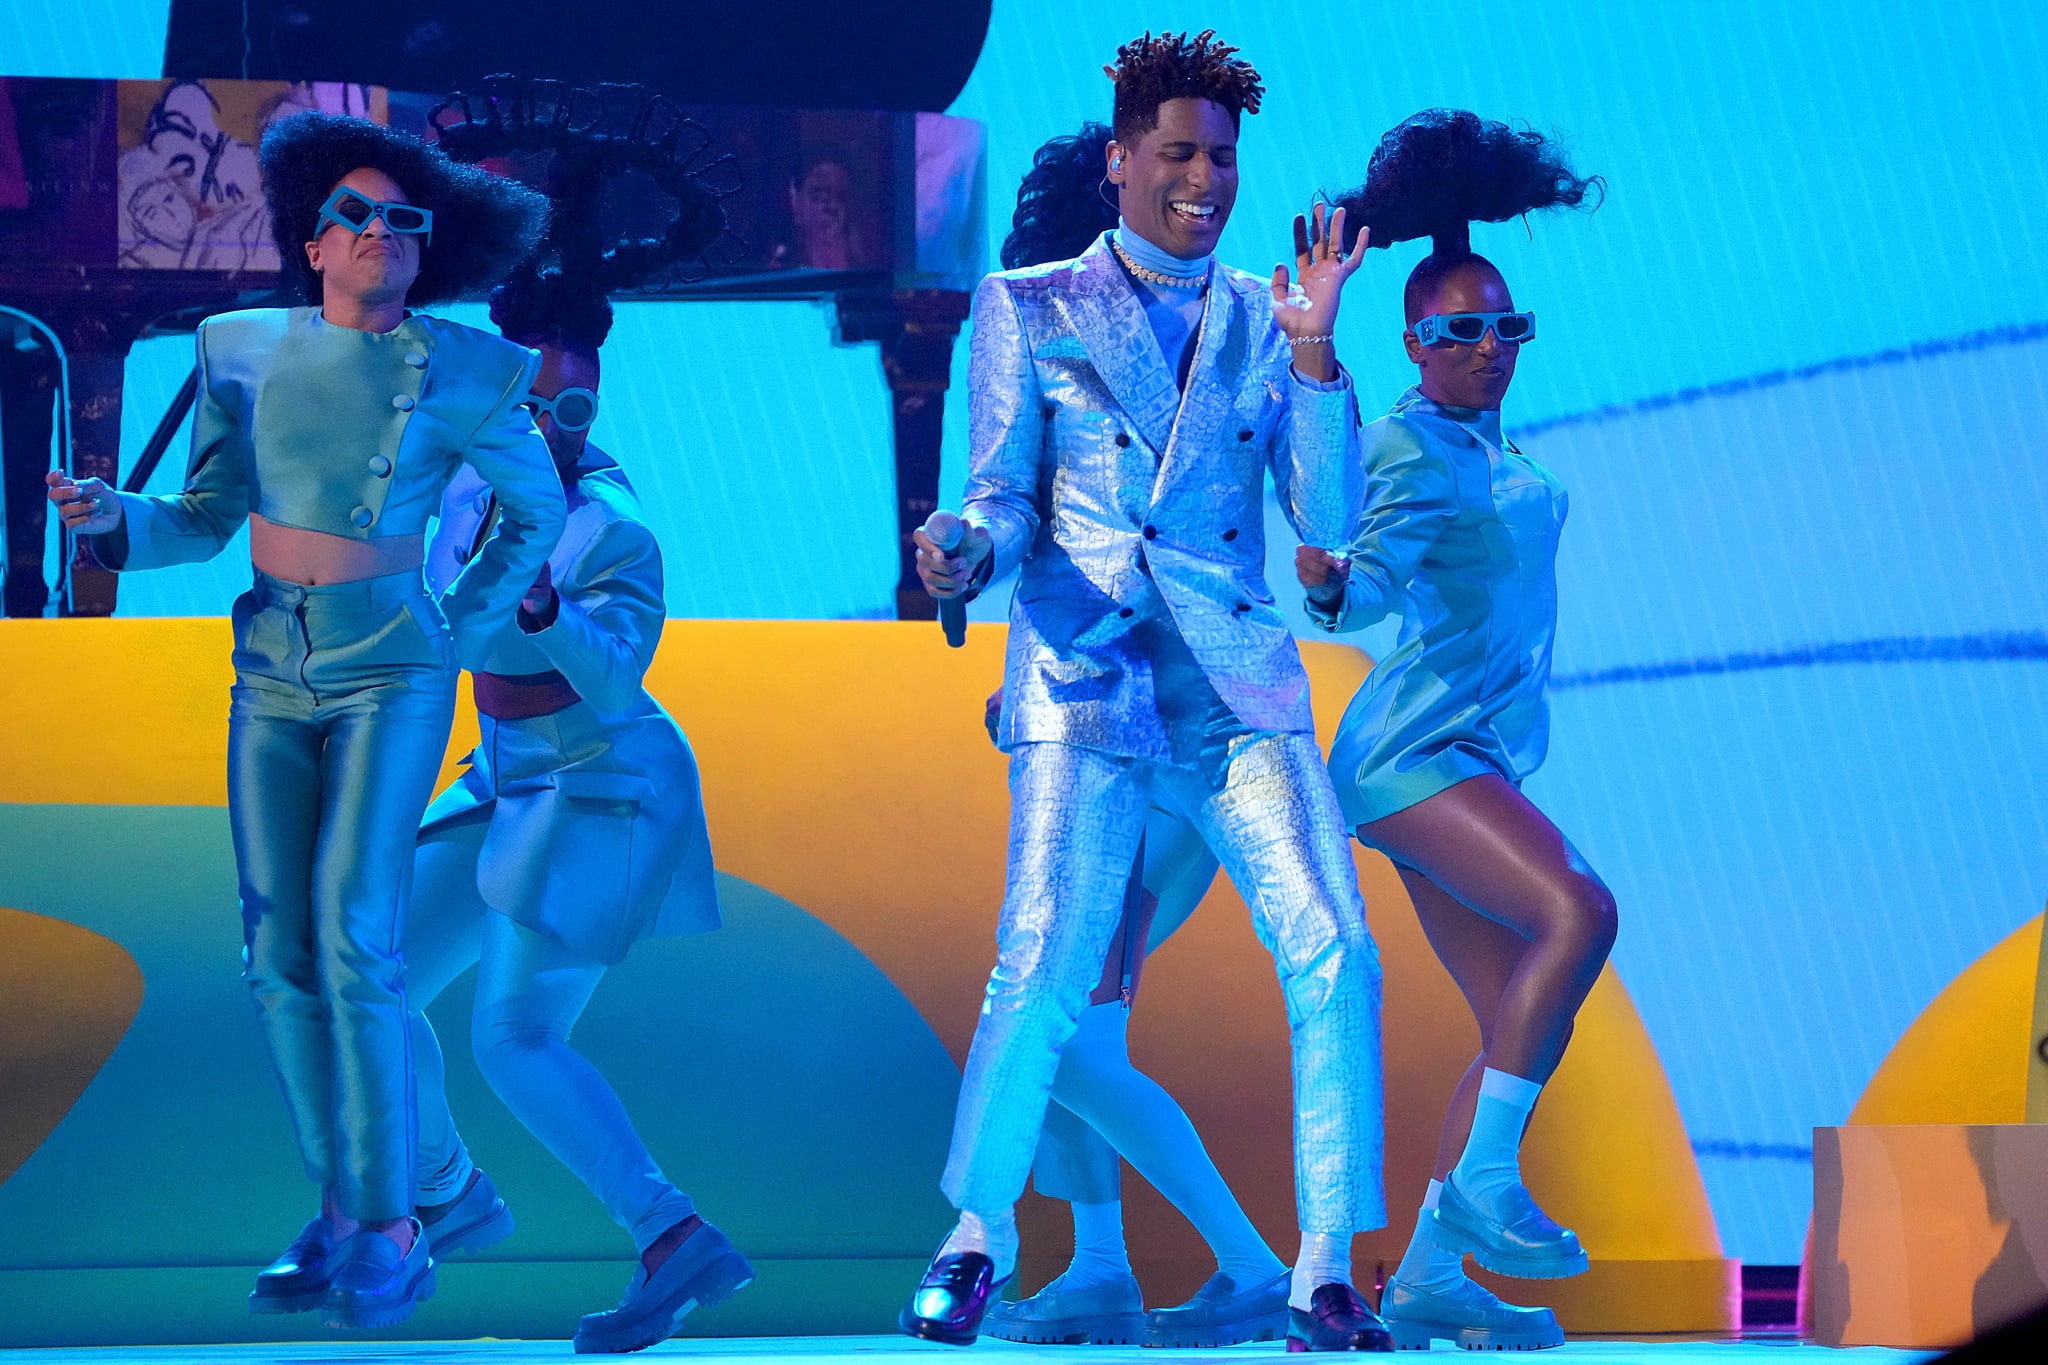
x: 1491, y: 1164
x: 1425, y: 1265
x: 1097, y: 1082
x: 1325, y: 1259
x: 994, y: 1235
x: 1100, y: 1256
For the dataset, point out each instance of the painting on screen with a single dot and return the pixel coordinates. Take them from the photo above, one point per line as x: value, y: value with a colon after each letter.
x: 188, y: 195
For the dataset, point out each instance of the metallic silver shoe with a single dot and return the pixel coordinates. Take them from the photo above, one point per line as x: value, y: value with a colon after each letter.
x: 1221, y: 1314
x: 1469, y: 1317
x: 1111, y: 1314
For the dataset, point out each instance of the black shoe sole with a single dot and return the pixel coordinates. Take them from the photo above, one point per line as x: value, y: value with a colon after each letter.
x: 1227, y: 1334
x: 733, y: 1275
x: 351, y: 1318
x: 265, y: 1304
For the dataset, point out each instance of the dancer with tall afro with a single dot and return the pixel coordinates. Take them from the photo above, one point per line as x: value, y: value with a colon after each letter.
x: 332, y: 430
x: 1460, y: 536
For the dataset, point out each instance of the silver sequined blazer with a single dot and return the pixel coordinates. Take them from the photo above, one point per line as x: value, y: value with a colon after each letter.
x: 1128, y: 508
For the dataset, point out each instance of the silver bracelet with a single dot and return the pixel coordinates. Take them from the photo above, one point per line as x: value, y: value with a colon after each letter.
x: 1310, y: 341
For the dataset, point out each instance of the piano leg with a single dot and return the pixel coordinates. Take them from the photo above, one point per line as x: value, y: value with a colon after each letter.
x: 916, y: 329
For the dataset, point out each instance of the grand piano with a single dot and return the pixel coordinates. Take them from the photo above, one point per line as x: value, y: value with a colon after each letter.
x: 132, y: 208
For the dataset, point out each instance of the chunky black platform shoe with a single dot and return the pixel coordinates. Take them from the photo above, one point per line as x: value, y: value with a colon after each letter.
x: 1337, y: 1320
x: 951, y: 1299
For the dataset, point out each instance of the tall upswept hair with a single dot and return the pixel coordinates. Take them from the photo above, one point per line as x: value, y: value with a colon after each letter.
x: 1060, y: 204
x: 598, y: 134
x: 549, y: 308
x: 484, y: 225
x: 1150, y: 71
x: 1437, y: 172
x: 594, y: 135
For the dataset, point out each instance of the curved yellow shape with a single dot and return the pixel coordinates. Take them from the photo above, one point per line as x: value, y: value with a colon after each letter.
x: 1964, y: 1060
x: 67, y: 996
x: 846, y: 769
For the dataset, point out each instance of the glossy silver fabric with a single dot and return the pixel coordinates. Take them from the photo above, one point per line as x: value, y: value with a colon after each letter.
x: 1133, y: 512
x: 597, y: 833
x: 342, y: 700
x: 355, y: 434
x: 1075, y: 1162
x: 1263, y: 802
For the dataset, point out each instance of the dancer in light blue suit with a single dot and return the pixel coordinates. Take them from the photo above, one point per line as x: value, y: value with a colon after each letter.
x: 577, y: 828
x: 332, y: 431
x: 1126, y: 408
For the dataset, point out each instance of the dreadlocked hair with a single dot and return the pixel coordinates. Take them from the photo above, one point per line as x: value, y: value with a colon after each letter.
x: 1150, y: 71
x: 484, y: 226
x: 1438, y: 172
x: 549, y: 308
x: 1060, y: 205
x: 596, y: 134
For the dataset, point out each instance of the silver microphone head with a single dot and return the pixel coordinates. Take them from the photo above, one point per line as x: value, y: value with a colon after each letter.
x: 944, y: 530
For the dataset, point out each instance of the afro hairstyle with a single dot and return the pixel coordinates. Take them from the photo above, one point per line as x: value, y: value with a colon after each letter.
x: 1437, y: 172
x: 1060, y: 204
x: 1150, y: 71
x: 1441, y: 170
x: 484, y: 226
x: 549, y: 308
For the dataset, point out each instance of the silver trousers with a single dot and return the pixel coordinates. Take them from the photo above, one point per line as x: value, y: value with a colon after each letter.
x: 1263, y: 801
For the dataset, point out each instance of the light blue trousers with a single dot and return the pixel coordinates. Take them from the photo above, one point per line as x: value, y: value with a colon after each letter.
x: 530, y: 990
x: 1264, y: 803
x: 342, y: 700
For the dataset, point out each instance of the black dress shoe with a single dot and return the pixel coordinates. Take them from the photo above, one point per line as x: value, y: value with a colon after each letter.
x: 1336, y: 1320
x: 377, y: 1285
x: 951, y: 1299
x: 296, y: 1282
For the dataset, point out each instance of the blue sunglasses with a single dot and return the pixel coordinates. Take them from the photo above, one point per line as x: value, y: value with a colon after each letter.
x: 346, y: 208
x: 1467, y: 329
x: 572, y: 409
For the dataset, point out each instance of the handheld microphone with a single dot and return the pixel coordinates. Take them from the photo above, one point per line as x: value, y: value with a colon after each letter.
x: 945, y: 530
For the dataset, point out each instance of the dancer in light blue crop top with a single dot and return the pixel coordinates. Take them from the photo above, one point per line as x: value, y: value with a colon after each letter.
x: 333, y: 430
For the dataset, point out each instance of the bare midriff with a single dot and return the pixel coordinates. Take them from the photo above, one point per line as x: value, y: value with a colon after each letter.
x: 297, y: 555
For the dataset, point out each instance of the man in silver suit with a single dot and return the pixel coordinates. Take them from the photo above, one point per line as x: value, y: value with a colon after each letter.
x: 1125, y: 409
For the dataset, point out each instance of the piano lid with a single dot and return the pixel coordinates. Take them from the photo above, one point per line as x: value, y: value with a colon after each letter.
x: 905, y: 55
x: 151, y: 187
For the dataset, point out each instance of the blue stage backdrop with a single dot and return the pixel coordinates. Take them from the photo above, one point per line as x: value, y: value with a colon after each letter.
x: 1791, y: 372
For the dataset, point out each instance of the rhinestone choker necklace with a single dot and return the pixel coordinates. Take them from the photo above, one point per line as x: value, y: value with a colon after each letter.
x: 1158, y: 277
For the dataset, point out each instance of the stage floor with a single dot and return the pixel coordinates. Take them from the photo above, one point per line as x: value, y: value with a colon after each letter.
x: 1766, y: 1350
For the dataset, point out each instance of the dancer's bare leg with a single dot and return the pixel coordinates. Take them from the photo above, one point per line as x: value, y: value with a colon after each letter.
x: 1524, y: 926
x: 1494, y: 855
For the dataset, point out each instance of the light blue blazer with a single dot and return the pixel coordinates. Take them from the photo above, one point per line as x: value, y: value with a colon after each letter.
x: 1128, y: 507
x: 597, y: 833
x: 356, y: 434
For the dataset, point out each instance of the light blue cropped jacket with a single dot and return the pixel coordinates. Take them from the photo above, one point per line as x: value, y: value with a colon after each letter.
x: 357, y: 434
